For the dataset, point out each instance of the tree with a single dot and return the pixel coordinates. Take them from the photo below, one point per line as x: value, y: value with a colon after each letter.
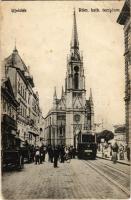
x: 106, y: 134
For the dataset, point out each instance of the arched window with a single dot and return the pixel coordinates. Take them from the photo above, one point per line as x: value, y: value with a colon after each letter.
x: 76, y: 80
x: 76, y: 77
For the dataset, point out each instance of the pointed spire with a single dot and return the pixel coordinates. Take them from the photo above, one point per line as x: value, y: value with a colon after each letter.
x: 15, y: 44
x: 74, y: 54
x: 15, y: 49
x: 55, y: 95
x: 74, y: 41
x: 62, y: 92
x: 91, y: 98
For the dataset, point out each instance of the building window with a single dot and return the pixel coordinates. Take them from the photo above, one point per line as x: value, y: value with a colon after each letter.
x: 76, y: 77
x: 18, y: 86
x: 60, y: 130
x: 76, y: 80
x: 4, y: 106
x: 25, y: 94
x: 21, y: 89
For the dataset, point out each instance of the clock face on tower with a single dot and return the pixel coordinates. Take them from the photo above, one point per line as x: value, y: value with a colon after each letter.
x: 77, y: 118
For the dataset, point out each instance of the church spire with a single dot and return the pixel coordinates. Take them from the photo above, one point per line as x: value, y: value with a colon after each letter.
x: 15, y: 49
x: 54, y: 99
x: 75, y: 55
x: 55, y: 95
x: 91, y: 98
x: 62, y: 92
x: 74, y: 41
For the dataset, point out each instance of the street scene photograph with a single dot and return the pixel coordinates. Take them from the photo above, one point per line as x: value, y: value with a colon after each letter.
x: 65, y: 99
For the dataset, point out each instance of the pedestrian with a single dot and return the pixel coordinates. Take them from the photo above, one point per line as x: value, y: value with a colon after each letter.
x: 73, y: 152
x: 50, y: 153
x: 121, y: 152
x: 37, y: 156
x: 110, y: 150
x: 44, y: 153
x: 56, y: 156
x: 41, y: 154
x: 62, y: 154
x: 70, y: 151
x: 128, y: 152
x: 66, y: 153
x: 114, y: 148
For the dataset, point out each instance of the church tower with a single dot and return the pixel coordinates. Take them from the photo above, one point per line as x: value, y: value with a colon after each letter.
x: 71, y: 113
x: 74, y: 89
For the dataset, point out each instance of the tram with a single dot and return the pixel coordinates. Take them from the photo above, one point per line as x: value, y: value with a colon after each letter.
x: 86, y: 146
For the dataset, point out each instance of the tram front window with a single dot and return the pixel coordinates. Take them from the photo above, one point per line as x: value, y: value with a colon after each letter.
x: 88, y: 138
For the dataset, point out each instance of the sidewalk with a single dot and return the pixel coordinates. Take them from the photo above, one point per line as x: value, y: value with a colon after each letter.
x: 125, y: 162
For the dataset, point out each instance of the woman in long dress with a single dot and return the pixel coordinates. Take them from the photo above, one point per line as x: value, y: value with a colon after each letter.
x: 114, y: 152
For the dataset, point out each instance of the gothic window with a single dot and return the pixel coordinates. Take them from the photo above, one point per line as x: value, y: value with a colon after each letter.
x: 76, y: 80
x: 76, y: 77
x: 60, y: 130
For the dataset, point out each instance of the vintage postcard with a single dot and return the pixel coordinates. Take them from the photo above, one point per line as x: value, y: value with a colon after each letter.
x: 65, y: 99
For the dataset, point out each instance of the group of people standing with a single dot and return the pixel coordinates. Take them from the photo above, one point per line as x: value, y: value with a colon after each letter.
x: 39, y: 156
x: 55, y: 153
x: 115, y: 151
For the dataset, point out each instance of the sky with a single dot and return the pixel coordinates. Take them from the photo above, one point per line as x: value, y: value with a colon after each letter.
x: 43, y: 35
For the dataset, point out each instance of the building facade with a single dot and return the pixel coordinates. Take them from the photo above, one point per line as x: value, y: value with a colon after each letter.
x: 120, y: 134
x: 29, y: 112
x: 71, y: 113
x: 125, y: 19
x: 9, y: 107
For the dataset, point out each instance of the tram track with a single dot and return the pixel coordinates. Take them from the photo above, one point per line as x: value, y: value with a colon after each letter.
x: 115, y: 174
x: 115, y: 169
x: 100, y: 170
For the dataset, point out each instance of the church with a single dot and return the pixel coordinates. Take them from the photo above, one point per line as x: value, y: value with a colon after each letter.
x: 72, y: 113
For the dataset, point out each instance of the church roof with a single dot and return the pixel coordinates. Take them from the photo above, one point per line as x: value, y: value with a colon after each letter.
x: 125, y: 13
x: 15, y: 60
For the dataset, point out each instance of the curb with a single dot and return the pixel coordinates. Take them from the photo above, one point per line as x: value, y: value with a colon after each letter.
x: 117, y: 161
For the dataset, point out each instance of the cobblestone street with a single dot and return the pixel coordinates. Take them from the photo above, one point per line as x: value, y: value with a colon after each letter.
x: 71, y: 180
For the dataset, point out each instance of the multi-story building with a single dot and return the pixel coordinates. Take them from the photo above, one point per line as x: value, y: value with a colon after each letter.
x: 125, y: 19
x: 9, y: 107
x: 28, y: 115
x: 71, y: 113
